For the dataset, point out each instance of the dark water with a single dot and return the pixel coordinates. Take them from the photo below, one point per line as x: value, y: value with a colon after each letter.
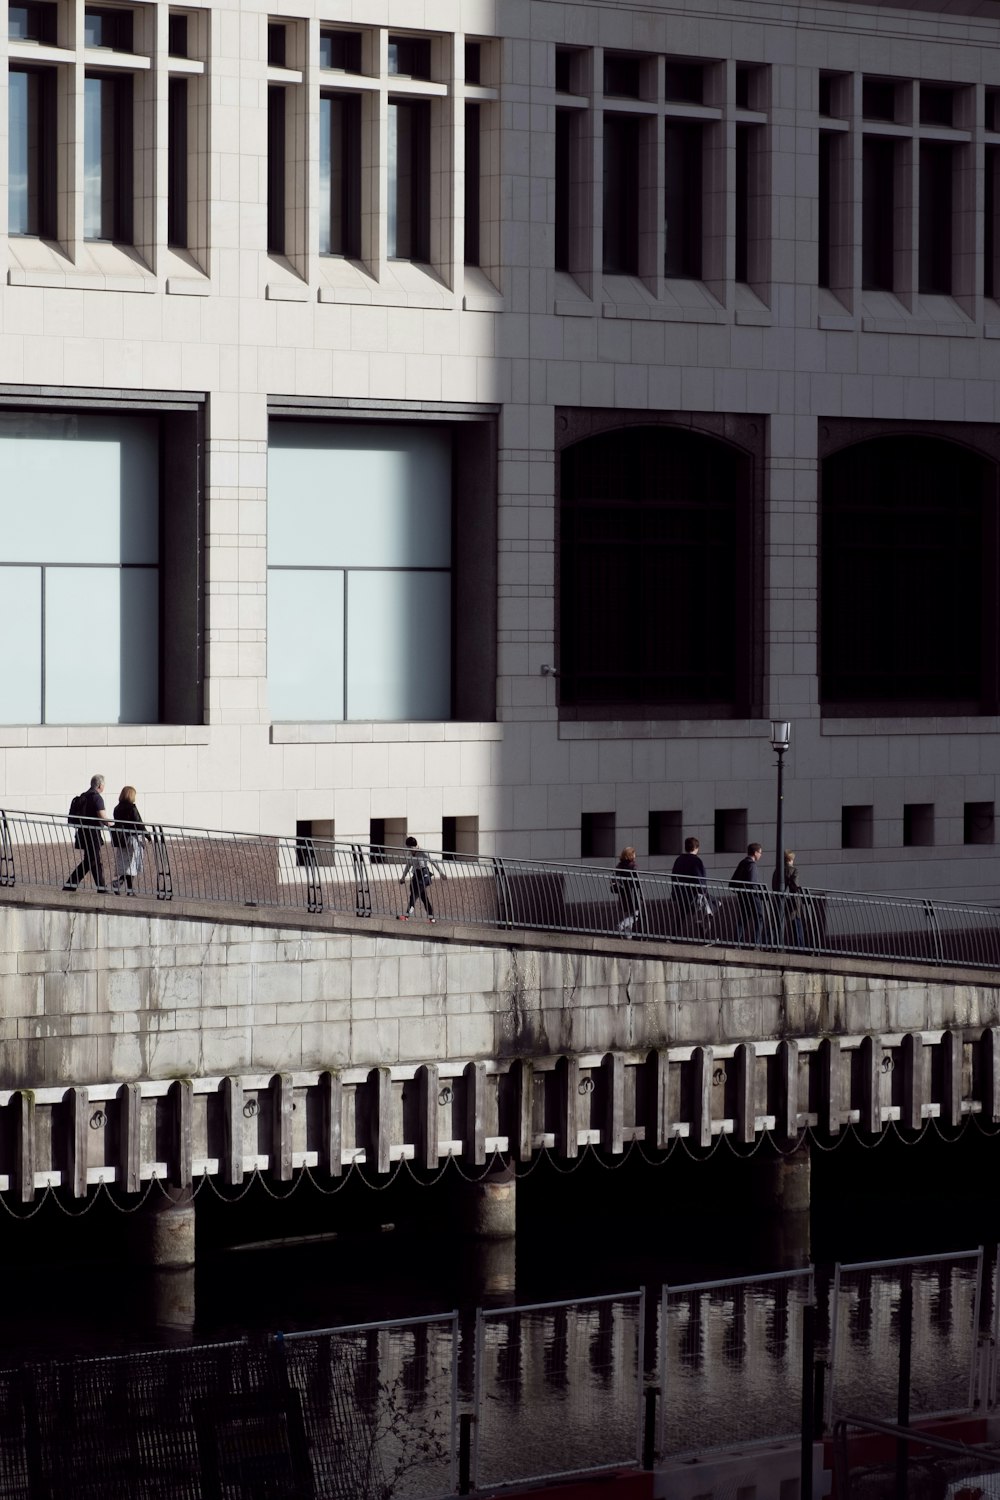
x: 367, y: 1255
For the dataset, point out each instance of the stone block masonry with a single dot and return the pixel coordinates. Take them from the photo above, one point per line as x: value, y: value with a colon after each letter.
x: 223, y: 1047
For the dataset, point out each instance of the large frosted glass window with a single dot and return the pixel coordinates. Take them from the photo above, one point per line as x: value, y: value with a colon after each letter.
x: 81, y: 560
x: 359, y: 555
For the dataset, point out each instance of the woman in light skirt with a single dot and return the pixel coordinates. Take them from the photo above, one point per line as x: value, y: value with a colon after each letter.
x: 127, y: 838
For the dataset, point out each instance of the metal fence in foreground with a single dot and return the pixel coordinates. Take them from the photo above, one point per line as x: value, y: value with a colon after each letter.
x: 751, y: 1329
x: 426, y: 1408
x: 316, y: 875
x: 559, y: 1388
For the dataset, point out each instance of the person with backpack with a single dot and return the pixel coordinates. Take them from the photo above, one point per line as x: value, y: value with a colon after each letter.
x: 746, y: 879
x: 86, y: 814
x: 419, y: 871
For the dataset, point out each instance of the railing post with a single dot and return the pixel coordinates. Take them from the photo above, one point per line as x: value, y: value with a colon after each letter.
x: 465, y: 1422
x: 649, y: 1426
x: 8, y: 875
x: 362, y: 887
x: 164, y: 879
x: 808, y: 1401
x: 903, y: 1394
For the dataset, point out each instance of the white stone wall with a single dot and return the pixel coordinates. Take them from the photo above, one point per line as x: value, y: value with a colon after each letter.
x: 238, y: 326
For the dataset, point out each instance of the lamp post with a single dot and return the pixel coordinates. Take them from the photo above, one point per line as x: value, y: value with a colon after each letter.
x: 781, y: 733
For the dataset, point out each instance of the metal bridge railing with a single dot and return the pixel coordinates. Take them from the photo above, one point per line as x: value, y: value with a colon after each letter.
x: 318, y: 875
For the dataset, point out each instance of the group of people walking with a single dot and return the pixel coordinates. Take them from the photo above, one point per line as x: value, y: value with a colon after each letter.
x: 129, y: 837
x: 695, y: 907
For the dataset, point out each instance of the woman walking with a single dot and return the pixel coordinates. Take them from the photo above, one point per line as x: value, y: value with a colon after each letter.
x: 127, y: 837
x: 419, y: 871
x: 625, y: 885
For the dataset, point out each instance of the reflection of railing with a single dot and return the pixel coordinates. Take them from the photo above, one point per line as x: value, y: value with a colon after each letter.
x: 317, y: 875
x: 386, y: 1409
x: 752, y: 1329
x: 872, y: 1301
x: 558, y: 1388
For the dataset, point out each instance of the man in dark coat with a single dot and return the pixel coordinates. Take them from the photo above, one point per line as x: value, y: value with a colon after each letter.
x: 90, y: 838
x: 746, y: 879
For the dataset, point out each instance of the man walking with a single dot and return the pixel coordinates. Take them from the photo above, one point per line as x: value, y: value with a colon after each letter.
x: 746, y: 879
x: 688, y: 894
x: 90, y: 837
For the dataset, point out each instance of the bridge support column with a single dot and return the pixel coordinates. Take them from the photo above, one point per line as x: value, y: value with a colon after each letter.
x: 166, y: 1236
x: 164, y: 1245
x: 488, y: 1207
x: 487, y: 1214
x: 785, y: 1189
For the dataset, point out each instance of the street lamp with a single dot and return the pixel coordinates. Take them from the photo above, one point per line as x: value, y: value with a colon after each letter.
x: 781, y: 734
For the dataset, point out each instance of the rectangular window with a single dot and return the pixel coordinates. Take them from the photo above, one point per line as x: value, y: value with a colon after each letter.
x: 410, y: 57
x: 472, y: 183
x: 682, y: 199
x: 386, y: 835
x: 826, y: 217
x: 76, y: 588
x: 107, y: 157
x: 597, y: 836
x: 622, y: 77
x: 277, y: 44
x: 31, y: 172
x: 566, y: 63
x: 991, y: 207
x: 359, y: 595
x: 32, y: 23
x: 276, y: 170
x: 730, y: 830
x: 826, y: 95
x: 409, y: 154
x: 937, y: 105
x: 111, y: 29
x: 978, y: 823
x: 564, y: 160
x: 878, y: 197
x: 460, y: 836
x: 856, y: 827
x: 177, y: 163
x: 918, y: 824
x: 742, y: 202
x: 665, y: 829
x: 177, y: 35
x: 473, y: 62
x: 684, y: 83
x: 621, y: 195
x: 308, y: 852
x: 340, y: 51
x: 340, y: 175
x: 936, y: 183
x: 878, y: 99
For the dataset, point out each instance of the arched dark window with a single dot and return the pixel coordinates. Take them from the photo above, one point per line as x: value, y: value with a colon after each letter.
x: 908, y: 618
x: 655, y: 573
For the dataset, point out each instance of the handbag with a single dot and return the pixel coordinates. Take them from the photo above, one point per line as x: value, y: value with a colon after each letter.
x: 704, y: 907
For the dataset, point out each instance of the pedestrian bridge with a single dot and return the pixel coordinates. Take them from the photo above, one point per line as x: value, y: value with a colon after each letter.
x: 258, y: 1007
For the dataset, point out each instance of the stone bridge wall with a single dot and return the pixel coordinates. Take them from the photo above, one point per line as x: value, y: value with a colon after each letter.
x: 160, y: 1042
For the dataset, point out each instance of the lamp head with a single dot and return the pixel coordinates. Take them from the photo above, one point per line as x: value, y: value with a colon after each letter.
x: 781, y: 734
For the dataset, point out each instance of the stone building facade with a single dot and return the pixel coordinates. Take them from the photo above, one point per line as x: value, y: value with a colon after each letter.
x: 478, y: 419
